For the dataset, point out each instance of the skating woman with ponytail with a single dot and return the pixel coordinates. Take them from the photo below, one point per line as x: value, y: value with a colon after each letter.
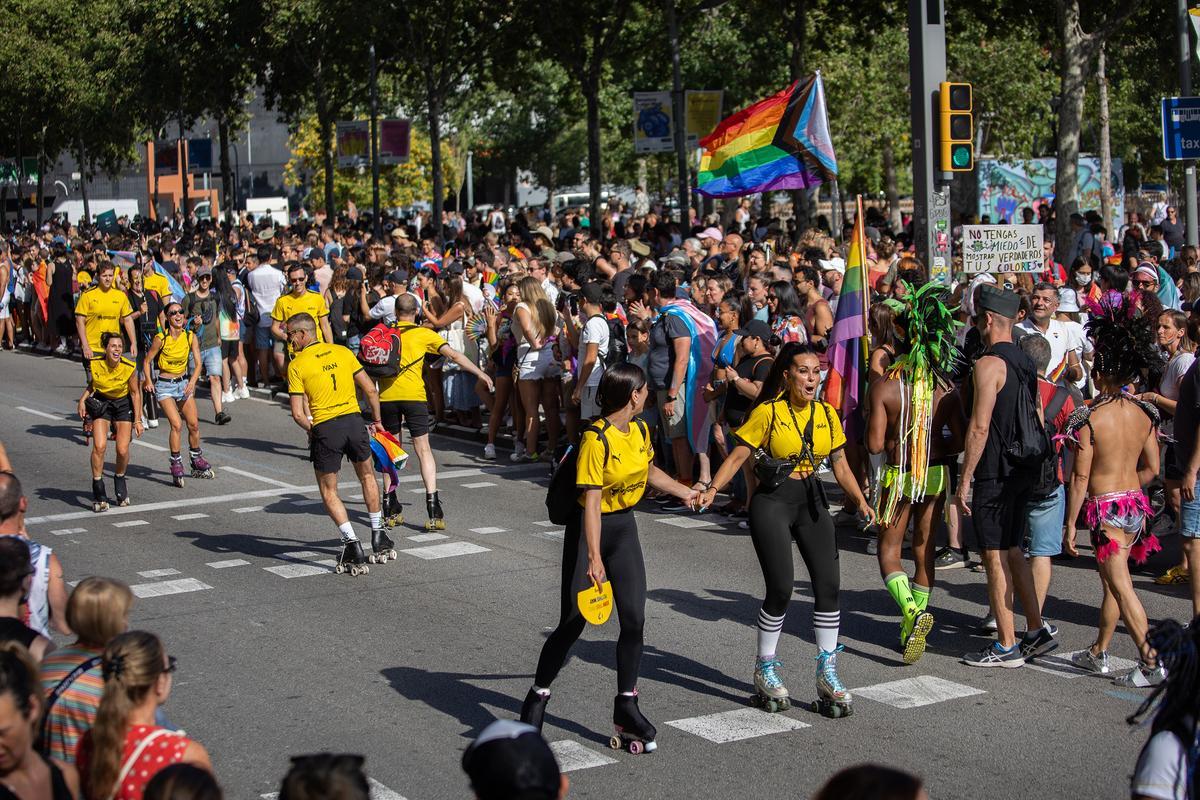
x: 125, y: 748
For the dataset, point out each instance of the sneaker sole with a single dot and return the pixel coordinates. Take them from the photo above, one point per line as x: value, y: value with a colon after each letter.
x: 914, y: 648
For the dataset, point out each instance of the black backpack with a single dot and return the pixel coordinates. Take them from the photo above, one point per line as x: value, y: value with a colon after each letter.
x: 562, y: 496
x: 1047, y: 480
x: 1030, y: 447
x: 617, y: 346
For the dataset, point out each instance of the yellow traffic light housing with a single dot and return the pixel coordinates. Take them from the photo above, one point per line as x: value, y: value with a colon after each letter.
x: 956, y: 128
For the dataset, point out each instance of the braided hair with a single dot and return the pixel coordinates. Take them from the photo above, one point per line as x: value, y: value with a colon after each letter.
x: 1124, y: 337
x: 1176, y: 701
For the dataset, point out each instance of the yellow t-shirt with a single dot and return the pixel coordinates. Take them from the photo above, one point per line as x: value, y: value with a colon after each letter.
x: 173, y: 358
x: 409, y: 385
x: 104, y: 311
x: 288, y: 306
x: 157, y: 283
x: 622, y: 479
x: 324, y: 373
x: 111, y: 382
x: 785, y: 439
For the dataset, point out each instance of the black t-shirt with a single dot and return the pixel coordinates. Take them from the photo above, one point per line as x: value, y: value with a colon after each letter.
x: 1172, y: 233
x: 737, y: 405
x: 1187, y: 416
x: 618, y: 284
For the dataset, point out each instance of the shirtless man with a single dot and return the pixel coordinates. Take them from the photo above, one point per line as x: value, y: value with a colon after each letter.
x: 1116, y: 454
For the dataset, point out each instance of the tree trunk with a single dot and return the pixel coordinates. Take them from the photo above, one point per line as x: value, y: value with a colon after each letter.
x: 1072, y: 85
x: 591, y: 92
x: 183, y: 173
x: 891, y: 188
x: 326, y: 125
x: 435, y: 144
x: 1106, y: 198
x: 81, y: 158
x: 227, y: 198
x: 40, y: 197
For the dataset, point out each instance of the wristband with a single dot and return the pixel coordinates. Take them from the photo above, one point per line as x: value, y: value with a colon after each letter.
x: 670, y: 399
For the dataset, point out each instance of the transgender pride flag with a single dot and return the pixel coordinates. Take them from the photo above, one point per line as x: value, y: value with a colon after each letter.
x: 848, y: 345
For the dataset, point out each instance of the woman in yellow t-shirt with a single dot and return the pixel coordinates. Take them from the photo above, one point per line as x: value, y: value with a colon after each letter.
x: 790, y: 423
x: 112, y: 402
x: 175, y: 388
x: 601, y: 542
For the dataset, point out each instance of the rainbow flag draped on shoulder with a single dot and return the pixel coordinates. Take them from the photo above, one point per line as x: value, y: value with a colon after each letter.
x: 779, y: 143
x: 846, y: 382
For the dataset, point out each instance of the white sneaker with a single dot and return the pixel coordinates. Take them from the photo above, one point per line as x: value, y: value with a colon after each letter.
x: 228, y: 397
x: 518, y: 453
x: 151, y: 423
x: 489, y: 452
x: 244, y: 392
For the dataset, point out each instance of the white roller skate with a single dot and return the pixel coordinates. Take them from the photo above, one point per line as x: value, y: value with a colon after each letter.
x: 833, y: 699
x: 769, y: 692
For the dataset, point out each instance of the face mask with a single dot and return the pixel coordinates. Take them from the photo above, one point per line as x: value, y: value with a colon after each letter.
x: 1082, y: 279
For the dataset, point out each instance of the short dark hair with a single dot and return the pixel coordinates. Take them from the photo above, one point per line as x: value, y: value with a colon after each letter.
x: 325, y: 776
x: 15, y: 565
x: 183, y: 782
x: 1116, y: 276
x: 108, y: 336
x: 870, y: 781
x: 664, y: 282
x: 10, y: 495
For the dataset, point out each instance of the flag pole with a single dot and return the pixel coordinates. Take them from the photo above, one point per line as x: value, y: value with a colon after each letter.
x: 860, y: 231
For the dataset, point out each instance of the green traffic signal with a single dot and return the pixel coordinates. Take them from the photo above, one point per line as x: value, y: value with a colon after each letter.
x: 960, y: 155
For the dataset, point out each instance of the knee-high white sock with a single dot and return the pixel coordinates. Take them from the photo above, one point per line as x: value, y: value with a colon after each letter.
x: 769, y: 629
x: 825, y: 625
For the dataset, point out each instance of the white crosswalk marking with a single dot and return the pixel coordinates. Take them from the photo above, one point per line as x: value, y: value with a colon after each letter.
x: 572, y: 756
x: 68, y: 531
x: 247, y: 509
x: 480, y: 485
x: 186, y: 517
x: 487, y: 530
x: 427, y: 537
x: 298, y: 570
x: 447, y: 550
x: 162, y: 588
x: 158, y: 573
x: 922, y: 690
x: 130, y: 523
x: 733, y: 726
x: 233, y: 562
x: 686, y: 522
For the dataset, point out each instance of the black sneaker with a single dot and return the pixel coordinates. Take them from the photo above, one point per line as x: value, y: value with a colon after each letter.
x: 995, y: 656
x: 949, y: 558
x: 223, y: 418
x: 676, y: 506
x: 1037, y: 643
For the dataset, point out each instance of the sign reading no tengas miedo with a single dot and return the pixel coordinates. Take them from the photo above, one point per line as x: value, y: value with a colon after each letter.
x: 1002, y: 248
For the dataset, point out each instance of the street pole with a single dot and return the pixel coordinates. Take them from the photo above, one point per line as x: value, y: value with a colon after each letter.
x: 470, y: 182
x: 677, y: 111
x: 931, y: 189
x: 376, y: 222
x: 1185, y: 90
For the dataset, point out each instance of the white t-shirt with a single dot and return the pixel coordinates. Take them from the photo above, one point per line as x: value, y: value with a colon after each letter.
x: 1062, y: 338
x: 595, y: 331
x: 1161, y: 770
x: 551, y: 290
x: 266, y: 285
x: 474, y: 297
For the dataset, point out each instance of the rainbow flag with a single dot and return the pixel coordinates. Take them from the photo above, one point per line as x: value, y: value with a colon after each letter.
x: 389, y: 457
x: 779, y: 143
x: 490, y: 276
x: 848, y: 347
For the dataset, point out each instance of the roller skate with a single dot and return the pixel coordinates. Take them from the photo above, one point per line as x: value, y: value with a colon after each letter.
x: 121, y: 490
x: 177, y: 471
x: 200, y: 466
x: 99, y: 496
x: 382, y: 547
x: 533, y: 710
x: 433, y: 507
x: 393, y: 512
x: 633, y: 731
x: 833, y: 699
x: 769, y: 692
x: 352, y: 559
x: 912, y: 636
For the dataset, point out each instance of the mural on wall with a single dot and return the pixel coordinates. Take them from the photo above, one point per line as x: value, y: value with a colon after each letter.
x: 1006, y: 187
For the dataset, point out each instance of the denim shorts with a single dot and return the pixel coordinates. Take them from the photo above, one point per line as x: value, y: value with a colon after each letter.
x: 1189, y: 518
x: 172, y: 388
x: 1046, y: 523
x: 211, y: 359
x: 262, y: 337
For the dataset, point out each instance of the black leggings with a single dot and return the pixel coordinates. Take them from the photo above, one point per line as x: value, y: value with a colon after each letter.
x: 621, y: 553
x: 795, y: 511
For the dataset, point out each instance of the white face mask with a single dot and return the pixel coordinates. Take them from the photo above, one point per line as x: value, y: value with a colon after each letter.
x: 1082, y: 279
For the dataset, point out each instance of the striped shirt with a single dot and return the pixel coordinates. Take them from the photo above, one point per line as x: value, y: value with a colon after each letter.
x: 75, y: 710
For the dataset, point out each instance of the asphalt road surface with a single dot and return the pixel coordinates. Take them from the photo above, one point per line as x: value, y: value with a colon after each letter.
x: 278, y: 656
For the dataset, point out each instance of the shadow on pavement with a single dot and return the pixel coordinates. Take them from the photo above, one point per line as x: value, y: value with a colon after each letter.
x: 250, y: 545
x: 258, y: 445
x: 69, y: 433
x: 664, y: 667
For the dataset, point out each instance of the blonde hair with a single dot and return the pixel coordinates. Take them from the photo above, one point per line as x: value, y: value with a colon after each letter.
x: 540, y: 307
x: 132, y: 664
x: 98, y: 610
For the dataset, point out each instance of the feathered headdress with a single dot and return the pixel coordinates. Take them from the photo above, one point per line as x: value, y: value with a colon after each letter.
x: 1124, y: 337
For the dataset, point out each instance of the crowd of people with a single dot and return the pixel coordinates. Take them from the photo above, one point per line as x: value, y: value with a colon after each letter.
x: 684, y: 366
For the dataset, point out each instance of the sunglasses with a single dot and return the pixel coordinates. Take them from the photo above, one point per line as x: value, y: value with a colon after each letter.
x: 1144, y: 284
x: 298, y: 280
x: 176, y: 313
x: 172, y: 664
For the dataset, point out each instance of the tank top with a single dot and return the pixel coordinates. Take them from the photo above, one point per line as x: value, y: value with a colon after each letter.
x: 39, y: 602
x: 58, y: 784
x: 1021, y: 376
x: 163, y: 750
x: 173, y: 358
x: 13, y: 630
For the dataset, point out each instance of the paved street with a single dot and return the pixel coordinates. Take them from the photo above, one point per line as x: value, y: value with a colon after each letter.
x: 278, y: 656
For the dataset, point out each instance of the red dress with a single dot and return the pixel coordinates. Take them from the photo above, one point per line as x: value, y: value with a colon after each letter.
x: 163, y: 750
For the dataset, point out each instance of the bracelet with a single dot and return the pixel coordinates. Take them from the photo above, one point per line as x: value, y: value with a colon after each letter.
x: 670, y: 398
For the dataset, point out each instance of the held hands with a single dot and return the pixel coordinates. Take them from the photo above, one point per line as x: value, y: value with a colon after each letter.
x: 707, y: 497
x: 693, y: 500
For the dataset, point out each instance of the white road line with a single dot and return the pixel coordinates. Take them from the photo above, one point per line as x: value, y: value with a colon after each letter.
x: 300, y: 555
x: 481, y: 485
x: 733, y: 726
x: 41, y: 414
x: 922, y: 690
x: 68, y: 531
x: 685, y: 522
x: 233, y: 562
x: 185, y: 517
x: 378, y: 792
x: 158, y: 573
x: 130, y: 523
x: 256, y: 477
x: 354, y: 497
x: 161, y: 588
x: 1060, y: 664
x: 298, y: 570
x: 447, y: 550
x: 247, y: 509
x: 427, y: 537
x: 417, y: 491
x: 572, y: 756
x: 487, y: 530
x: 547, y: 524
x: 149, y: 445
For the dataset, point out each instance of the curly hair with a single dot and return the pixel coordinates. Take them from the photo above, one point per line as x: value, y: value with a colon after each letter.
x: 1124, y: 337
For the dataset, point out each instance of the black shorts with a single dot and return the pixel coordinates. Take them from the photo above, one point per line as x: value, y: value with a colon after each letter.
x: 998, y: 512
x: 1171, y: 470
x: 341, y: 436
x: 117, y: 409
x: 414, y: 414
x: 229, y: 348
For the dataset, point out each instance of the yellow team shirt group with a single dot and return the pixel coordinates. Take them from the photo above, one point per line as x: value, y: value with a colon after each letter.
x: 325, y: 374
x: 416, y: 342
x: 111, y: 382
x: 622, y: 478
x: 785, y: 440
x: 103, y: 311
x: 173, y: 357
x: 312, y: 303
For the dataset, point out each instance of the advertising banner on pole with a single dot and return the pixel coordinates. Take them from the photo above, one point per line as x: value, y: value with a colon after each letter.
x: 353, y: 143
x: 200, y: 156
x: 702, y: 110
x: 1002, y: 248
x: 653, y: 128
x: 394, y: 141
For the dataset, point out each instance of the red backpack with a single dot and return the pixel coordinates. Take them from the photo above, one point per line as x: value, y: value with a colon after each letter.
x: 379, y: 351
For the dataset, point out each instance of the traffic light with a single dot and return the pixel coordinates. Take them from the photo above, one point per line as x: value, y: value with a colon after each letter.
x: 956, y: 128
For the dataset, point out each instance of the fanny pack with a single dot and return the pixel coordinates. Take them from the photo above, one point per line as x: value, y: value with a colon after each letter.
x: 772, y: 472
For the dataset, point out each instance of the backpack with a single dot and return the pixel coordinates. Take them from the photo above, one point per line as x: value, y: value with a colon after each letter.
x: 562, y: 496
x: 379, y: 351
x: 1047, y: 478
x: 618, y: 349
x: 1030, y: 447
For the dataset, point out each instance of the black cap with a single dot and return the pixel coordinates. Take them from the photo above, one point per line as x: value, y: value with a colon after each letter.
x: 396, y: 276
x: 756, y: 328
x: 455, y: 268
x: 592, y: 292
x: 354, y: 274
x: 316, y: 254
x: 511, y: 759
x: 999, y: 301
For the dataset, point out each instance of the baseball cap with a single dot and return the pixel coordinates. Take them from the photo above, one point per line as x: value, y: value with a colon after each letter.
x: 756, y: 328
x: 836, y: 264
x: 205, y: 270
x: 639, y: 247
x: 511, y: 759
x: 711, y: 233
x: 396, y: 276
x: 455, y: 268
x: 354, y: 274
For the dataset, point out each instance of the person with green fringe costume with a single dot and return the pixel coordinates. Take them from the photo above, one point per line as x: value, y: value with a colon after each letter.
x: 915, y: 419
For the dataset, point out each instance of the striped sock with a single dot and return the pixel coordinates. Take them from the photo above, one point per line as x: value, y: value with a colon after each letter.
x: 769, y: 629
x: 825, y: 626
